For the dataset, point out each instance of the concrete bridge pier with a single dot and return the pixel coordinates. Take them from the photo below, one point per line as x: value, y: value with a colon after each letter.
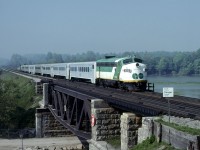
x: 38, y: 87
x: 106, y: 124
x: 109, y: 123
x: 46, y: 125
x: 45, y: 94
x: 129, y: 130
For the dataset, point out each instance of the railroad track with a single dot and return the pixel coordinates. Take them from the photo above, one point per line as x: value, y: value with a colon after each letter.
x: 151, y: 102
x: 154, y: 102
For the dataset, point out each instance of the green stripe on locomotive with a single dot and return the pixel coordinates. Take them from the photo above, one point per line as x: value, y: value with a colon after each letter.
x: 104, y: 69
x: 107, y: 65
x: 118, y: 70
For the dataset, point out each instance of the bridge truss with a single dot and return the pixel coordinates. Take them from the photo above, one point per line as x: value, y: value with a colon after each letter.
x: 72, y: 109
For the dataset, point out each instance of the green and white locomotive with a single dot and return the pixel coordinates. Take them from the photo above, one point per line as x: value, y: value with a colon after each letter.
x: 126, y: 73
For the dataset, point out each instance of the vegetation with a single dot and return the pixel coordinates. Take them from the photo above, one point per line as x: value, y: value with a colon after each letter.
x: 181, y: 128
x: 151, y: 144
x: 17, y: 102
x: 115, y: 142
x: 159, y: 63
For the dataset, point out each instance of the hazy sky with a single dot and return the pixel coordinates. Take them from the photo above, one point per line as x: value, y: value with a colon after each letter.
x: 71, y: 26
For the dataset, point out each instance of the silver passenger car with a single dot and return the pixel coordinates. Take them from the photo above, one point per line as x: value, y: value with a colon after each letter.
x: 83, y: 71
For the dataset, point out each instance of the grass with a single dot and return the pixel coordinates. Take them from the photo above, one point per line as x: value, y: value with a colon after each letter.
x: 22, y: 89
x: 181, y: 128
x: 115, y: 142
x: 148, y: 144
x: 151, y: 144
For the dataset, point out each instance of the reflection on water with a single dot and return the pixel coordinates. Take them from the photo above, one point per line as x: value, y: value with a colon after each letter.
x: 183, y: 85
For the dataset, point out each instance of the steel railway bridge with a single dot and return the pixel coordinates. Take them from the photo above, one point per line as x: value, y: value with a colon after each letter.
x: 70, y: 103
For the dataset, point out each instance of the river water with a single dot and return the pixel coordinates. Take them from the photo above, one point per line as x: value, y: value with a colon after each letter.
x: 188, y: 86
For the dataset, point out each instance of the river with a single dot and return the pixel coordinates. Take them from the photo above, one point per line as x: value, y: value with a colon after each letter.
x: 188, y: 86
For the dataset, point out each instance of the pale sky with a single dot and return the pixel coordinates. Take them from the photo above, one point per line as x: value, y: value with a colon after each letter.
x: 72, y: 26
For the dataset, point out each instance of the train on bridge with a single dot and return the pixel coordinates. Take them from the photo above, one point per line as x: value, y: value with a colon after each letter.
x: 127, y: 72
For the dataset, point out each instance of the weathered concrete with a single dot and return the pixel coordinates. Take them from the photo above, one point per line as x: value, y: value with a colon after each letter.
x: 177, y: 139
x: 100, y: 145
x: 129, y: 126
x: 107, y: 123
x: 38, y: 87
x: 47, y: 126
x: 45, y: 94
x: 38, y: 124
x: 146, y: 130
x: 183, y: 121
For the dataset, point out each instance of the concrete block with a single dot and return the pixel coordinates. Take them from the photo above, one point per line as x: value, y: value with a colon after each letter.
x: 99, y: 103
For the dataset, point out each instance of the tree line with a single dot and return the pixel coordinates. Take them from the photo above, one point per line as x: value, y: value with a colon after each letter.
x: 158, y: 63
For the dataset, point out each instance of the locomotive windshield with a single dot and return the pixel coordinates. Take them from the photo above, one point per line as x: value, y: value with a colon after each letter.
x: 138, y: 60
x: 127, y: 61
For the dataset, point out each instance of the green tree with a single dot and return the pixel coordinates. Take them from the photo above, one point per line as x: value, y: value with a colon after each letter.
x: 54, y: 58
x: 7, y: 103
x: 162, y: 66
x: 177, y: 60
x: 197, y: 66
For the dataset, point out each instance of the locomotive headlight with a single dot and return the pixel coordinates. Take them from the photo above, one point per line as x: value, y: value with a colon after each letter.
x: 141, y: 75
x: 135, y: 76
x: 137, y: 64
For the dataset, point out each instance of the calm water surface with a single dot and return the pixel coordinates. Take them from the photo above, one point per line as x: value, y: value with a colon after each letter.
x: 183, y: 85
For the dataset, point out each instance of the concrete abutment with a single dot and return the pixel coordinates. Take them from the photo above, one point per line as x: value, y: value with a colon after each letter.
x: 46, y: 125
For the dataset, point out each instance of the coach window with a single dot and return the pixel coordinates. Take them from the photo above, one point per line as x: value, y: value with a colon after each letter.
x: 61, y: 68
x: 55, y: 68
